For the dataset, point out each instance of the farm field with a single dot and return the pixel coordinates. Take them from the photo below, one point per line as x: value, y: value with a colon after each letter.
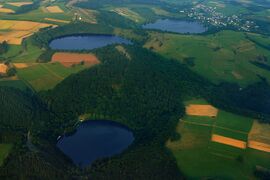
x: 14, y: 82
x: 6, y: 10
x: 39, y: 15
x: 57, y: 20
x: 46, y: 76
x: 126, y: 12
x: 19, y: 4
x: 200, y: 157
x: 4, y: 151
x: 259, y: 137
x: 13, y: 32
x: 54, y: 9
x: 130, y: 85
x: 3, y: 68
x: 69, y: 59
x: 224, y: 56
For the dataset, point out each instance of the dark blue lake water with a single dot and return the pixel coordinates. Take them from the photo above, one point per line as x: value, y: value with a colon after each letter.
x: 86, y: 42
x: 94, y: 140
x: 177, y: 26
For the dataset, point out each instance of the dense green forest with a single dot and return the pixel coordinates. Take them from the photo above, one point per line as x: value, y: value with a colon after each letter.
x: 23, y: 112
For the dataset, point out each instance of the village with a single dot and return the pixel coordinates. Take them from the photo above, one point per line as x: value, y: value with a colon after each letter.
x: 209, y: 15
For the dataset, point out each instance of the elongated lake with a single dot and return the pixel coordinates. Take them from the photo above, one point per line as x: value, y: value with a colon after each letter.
x: 95, y: 140
x: 86, y: 42
x: 177, y: 26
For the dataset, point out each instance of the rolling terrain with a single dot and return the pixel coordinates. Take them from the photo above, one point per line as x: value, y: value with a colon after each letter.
x: 198, y: 104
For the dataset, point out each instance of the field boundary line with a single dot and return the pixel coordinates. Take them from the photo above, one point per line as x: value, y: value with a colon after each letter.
x: 200, y: 124
x: 222, y: 155
x: 237, y: 131
x: 53, y: 73
x: 215, y: 126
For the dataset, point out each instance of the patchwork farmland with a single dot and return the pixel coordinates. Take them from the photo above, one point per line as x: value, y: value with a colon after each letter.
x: 13, y: 32
x: 52, y: 73
x: 205, y: 141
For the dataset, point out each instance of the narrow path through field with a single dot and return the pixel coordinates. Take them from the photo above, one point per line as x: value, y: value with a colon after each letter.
x: 215, y: 126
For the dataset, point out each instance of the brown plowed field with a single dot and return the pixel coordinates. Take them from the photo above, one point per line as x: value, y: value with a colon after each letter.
x: 68, y: 59
x: 259, y: 146
x: 259, y: 136
x: 229, y: 141
x: 201, y: 110
x: 3, y: 68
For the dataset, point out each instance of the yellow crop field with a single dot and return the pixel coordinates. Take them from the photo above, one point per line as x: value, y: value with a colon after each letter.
x: 21, y: 65
x: 57, y: 20
x: 15, y: 31
x: 19, y: 4
x: 54, y: 9
x: 201, y: 110
x: 6, y: 10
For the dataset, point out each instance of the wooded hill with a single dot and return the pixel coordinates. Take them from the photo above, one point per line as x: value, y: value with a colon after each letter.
x: 135, y: 87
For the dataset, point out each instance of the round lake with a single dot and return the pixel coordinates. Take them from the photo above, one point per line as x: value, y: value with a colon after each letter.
x: 177, y: 26
x: 94, y: 140
x: 86, y: 42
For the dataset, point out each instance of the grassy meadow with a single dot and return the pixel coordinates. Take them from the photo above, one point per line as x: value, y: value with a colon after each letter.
x: 223, y: 56
x: 46, y: 76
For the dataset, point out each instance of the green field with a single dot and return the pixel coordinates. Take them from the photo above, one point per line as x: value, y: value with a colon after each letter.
x: 199, y: 157
x: 224, y: 56
x: 46, y: 76
x: 4, y: 151
x: 14, y: 83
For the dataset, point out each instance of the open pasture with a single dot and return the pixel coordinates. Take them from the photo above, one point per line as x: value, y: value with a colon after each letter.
x: 46, y: 76
x: 15, y: 31
x: 224, y: 56
x: 69, y: 59
x: 13, y: 82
